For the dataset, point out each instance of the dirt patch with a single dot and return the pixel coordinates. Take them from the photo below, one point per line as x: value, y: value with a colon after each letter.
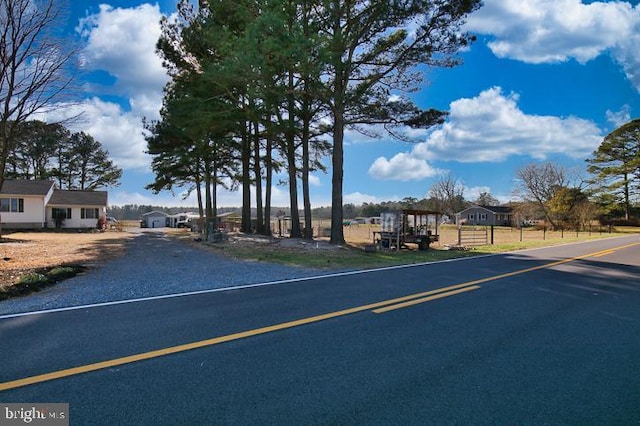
x: 23, y: 253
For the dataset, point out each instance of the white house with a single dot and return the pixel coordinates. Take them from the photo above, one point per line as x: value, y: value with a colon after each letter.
x: 80, y: 209
x: 23, y: 203
x: 35, y: 204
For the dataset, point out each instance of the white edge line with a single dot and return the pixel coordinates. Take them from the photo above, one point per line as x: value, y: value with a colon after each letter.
x: 270, y: 283
x: 240, y: 287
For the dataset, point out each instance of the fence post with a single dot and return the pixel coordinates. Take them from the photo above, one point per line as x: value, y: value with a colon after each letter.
x: 459, y: 235
x: 491, y: 234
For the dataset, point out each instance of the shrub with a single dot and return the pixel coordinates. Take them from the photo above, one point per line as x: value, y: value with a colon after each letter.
x: 33, y: 278
x: 62, y: 272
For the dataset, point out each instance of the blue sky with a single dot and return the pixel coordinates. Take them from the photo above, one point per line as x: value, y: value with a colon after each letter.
x: 545, y: 81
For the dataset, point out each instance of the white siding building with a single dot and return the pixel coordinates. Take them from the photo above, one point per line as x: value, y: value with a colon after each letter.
x: 23, y: 203
x: 31, y: 204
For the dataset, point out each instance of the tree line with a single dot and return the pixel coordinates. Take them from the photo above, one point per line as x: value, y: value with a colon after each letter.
x: 74, y: 160
x: 267, y: 88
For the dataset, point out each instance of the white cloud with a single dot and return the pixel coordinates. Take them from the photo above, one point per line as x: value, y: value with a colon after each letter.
x: 618, y: 118
x: 546, y: 31
x: 122, y: 42
x: 472, y: 193
x: 118, y: 131
x: 491, y: 128
x: 315, y: 181
x: 403, y: 167
x: 358, y: 198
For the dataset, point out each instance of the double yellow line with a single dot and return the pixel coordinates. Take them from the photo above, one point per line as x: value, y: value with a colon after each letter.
x: 384, y: 305
x: 378, y: 308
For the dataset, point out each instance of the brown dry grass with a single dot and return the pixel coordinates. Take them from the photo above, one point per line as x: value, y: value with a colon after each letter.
x: 25, y: 252
x: 359, y: 235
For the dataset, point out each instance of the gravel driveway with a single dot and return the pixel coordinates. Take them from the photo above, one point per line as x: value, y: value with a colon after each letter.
x: 153, y: 265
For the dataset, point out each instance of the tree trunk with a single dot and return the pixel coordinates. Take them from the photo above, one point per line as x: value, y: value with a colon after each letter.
x: 207, y: 197
x: 308, y: 225
x: 199, y: 196
x: 338, y: 111
x: 337, y: 232
x: 245, y: 225
x: 258, y: 179
x: 627, y: 204
x: 268, y: 183
x: 291, y: 163
x: 213, y: 217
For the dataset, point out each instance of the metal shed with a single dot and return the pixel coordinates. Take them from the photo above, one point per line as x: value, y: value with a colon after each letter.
x: 154, y: 219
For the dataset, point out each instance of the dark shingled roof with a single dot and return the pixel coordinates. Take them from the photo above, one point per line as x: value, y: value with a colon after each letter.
x: 26, y: 187
x: 78, y: 198
x: 499, y: 209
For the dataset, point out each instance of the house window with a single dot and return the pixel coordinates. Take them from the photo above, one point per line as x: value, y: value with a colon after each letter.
x: 12, y: 205
x: 89, y: 213
x: 61, y: 213
x: 483, y: 216
x: 471, y: 216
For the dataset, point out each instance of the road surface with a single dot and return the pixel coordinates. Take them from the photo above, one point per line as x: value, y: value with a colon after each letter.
x: 542, y: 336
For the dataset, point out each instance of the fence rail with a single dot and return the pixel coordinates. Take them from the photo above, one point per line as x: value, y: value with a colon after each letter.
x: 473, y: 236
x: 469, y: 236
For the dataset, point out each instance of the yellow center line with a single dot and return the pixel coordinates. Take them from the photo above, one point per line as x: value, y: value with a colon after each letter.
x: 208, y: 342
x: 605, y: 253
x: 424, y: 299
x: 397, y: 303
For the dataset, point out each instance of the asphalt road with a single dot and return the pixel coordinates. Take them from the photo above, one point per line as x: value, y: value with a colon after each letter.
x: 548, y: 336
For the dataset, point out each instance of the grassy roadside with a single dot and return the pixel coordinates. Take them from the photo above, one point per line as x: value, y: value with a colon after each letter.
x: 343, y: 258
x: 352, y: 257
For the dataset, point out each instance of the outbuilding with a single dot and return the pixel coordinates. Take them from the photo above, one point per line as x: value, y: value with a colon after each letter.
x: 154, y: 219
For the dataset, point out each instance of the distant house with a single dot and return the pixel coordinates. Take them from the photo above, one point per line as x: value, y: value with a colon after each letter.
x: 37, y: 204
x: 154, y: 219
x: 486, y: 215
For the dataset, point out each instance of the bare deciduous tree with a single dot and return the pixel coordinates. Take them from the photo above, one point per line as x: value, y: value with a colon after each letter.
x: 539, y: 184
x: 35, y: 65
x: 448, y: 195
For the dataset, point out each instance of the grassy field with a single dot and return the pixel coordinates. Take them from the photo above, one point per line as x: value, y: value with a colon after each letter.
x: 321, y: 255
